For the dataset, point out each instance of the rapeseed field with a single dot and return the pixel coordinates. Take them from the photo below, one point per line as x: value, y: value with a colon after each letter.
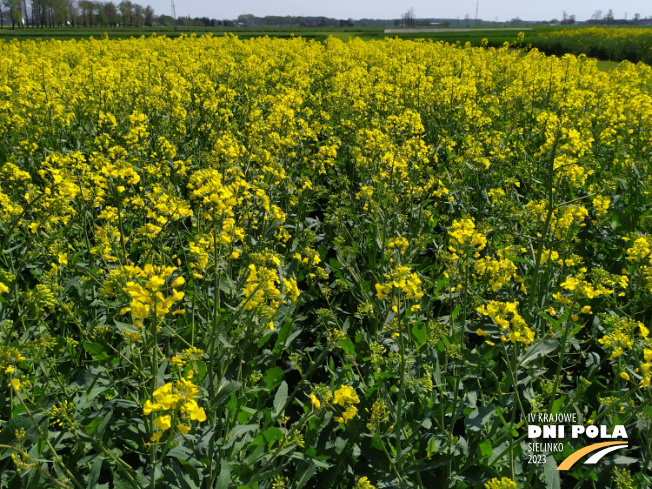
x: 279, y: 263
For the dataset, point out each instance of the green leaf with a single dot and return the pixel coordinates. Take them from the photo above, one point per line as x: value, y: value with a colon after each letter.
x: 272, y: 434
x: 225, y: 390
x: 555, y: 322
x: 180, y: 452
x: 279, y: 399
x: 339, y: 444
x: 224, y: 479
x: 7, y: 434
x: 265, y: 339
x: 283, y: 335
x: 102, y: 426
x: 232, y: 405
x: 97, y: 351
x: 304, y: 474
x: 237, y: 432
x: 486, y: 450
x: 403, y: 454
x: 623, y: 460
x: 129, y: 328
x: 258, y: 441
x: 431, y: 447
x: 542, y: 348
x: 347, y: 345
x: 179, y: 476
x: 242, y: 429
x: 92, y: 426
x: 94, y: 475
x: 121, y: 483
x: 273, y: 376
x: 556, y: 406
x: 319, y: 463
x: 551, y: 473
x: 480, y: 417
x: 456, y: 312
x: 419, y: 332
x: 200, y: 373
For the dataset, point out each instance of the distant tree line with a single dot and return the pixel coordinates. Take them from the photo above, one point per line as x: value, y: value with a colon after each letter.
x: 97, y: 13
x: 250, y: 20
x: 74, y: 13
x: 168, y: 20
x: 599, y: 17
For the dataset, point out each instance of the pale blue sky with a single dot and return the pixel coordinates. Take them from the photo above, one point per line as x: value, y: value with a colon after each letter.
x: 386, y: 9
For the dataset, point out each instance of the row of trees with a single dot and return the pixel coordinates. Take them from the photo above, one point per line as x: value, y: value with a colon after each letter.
x: 86, y: 13
x: 599, y: 17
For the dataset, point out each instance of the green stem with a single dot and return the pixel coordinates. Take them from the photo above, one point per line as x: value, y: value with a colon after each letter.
x: 26, y: 456
x: 17, y: 220
x: 391, y: 462
x: 152, y: 480
x: 562, y: 354
x: 399, y: 400
x: 216, y: 309
x: 282, y: 443
x: 57, y: 459
x: 546, y: 226
x: 122, y: 232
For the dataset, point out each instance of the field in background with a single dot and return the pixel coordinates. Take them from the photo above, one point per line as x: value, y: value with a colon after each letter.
x: 318, y: 34
x: 606, y: 44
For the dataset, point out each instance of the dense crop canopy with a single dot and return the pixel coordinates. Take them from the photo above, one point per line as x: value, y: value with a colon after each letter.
x: 271, y: 263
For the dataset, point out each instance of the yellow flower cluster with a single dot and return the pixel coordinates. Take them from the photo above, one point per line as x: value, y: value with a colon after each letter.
x: 623, y: 335
x: 219, y: 200
x: 502, y: 483
x: 400, y: 244
x: 261, y: 291
x: 291, y: 289
x: 180, y: 400
x: 463, y: 234
x: 583, y: 288
x: 379, y: 415
x: 366, y: 193
x: 403, y: 279
x: 8, y: 209
x: 363, y: 483
x: 160, y: 209
x: 346, y: 397
x: 641, y: 250
x: 9, y: 357
x: 149, y: 298
x: 497, y: 196
x: 563, y: 220
x: 641, y: 254
x: 40, y: 297
x: 499, y: 272
x: 601, y: 205
x: 506, y: 316
x: 192, y: 354
x: 646, y: 368
x: 309, y: 257
x: 5, y: 278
